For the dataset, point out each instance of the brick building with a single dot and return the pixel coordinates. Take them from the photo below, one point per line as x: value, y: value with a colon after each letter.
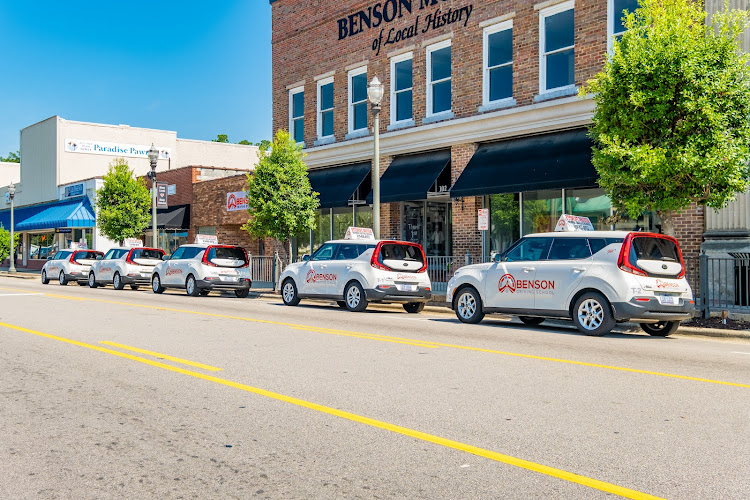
x: 480, y: 110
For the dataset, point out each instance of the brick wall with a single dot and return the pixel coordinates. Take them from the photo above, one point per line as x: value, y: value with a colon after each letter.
x: 466, y: 237
x: 183, y: 179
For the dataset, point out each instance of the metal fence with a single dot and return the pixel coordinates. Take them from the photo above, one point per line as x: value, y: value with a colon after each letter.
x: 262, y: 271
x: 440, y: 270
x: 724, y: 284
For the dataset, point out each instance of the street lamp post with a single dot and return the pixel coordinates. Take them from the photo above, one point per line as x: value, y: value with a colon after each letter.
x: 375, y: 95
x: 153, y: 155
x: 12, y: 246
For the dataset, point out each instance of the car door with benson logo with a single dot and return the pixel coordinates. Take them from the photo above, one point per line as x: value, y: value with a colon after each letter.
x: 315, y: 277
x: 512, y: 282
x: 568, y: 261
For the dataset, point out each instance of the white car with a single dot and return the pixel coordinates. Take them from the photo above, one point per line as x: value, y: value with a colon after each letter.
x: 355, y: 272
x: 595, y: 278
x: 69, y: 265
x: 125, y: 266
x: 200, y: 268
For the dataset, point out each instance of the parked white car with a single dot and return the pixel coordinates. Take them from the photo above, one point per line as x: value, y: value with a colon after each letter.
x: 200, y: 268
x: 69, y: 265
x: 595, y: 278
x: 356, y: 272
x: 125, y: 266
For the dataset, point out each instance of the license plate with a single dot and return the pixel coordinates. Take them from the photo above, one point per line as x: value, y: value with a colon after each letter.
x: 407, y: 288
x: 666, y: 300
x: 228, y: 278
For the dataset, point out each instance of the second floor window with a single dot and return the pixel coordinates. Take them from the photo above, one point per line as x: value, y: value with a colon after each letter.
x: 616, y: 8
x: 557, y: 69
x: 358, y: 99
x: 498, y: 62
x: 439, y: 78
x: 297, y: 114
x: 325, y: 108
x: 401, y: 88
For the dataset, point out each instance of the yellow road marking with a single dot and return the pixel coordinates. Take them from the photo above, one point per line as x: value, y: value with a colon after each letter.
x: 449, y: 443
x: 163, y: 356
x: 422, y: 343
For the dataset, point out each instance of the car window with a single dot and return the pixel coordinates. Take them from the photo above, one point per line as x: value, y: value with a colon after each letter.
x: 227, y: 256
x: 569, y: 249
x: 529, y: 249
x: 85, y: 255
x: 178, y: 253
x: 120, y: 253
x: 399, y: 251
x: 61, y: 255
x: 597, y: 244
x: 109, y: 254
x: 325, y: 252
x: 349, y: 251
x: 191, y: 252
x: 147, y: 253
x: 649, y: 248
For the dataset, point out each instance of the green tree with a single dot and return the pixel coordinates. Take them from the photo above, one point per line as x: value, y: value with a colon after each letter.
x: 123, y: 203
x: 221, y: 138
x: 12, y: 157
x: 265, y: 143
x: 245, y: 142
x: 281, y: 202
x: 5, y: 242
x: 672, y: 118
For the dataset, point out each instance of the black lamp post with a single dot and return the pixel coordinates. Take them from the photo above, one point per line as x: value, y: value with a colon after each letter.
x: 12, y: 246
x: 153, y: 155
x: 375, y: 95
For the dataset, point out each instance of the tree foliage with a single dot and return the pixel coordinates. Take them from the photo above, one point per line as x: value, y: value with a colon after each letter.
x: 12, y: 157
x: 281, y: 202
x: 123, y: 203
x: 224, y: 138
x: 672, y: 119
x: 5, y: 242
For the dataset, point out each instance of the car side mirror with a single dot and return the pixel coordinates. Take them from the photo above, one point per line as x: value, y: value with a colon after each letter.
x: 99, y: 257
x: 305, y: 258
x: 49, y: 257
x: 498, y: 257
x: 165, y: 257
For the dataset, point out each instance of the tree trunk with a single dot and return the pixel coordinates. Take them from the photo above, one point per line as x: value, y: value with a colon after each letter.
x: 667, y: 222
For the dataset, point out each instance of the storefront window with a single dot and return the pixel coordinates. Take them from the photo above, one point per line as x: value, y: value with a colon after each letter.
x: 42, y: 245
x: 591, y: 203
x: 167, y: 239
x: 438, y: 229
x: 364, y: 216
x: 413, y: 222
x: 504, y: 221
x: 322, y: 231
x: 541, y: 210
x: 343, y: 218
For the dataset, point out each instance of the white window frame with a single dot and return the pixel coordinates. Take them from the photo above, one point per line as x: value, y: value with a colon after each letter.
x: 491, y: 30
x: 394, y: 108
x: 350, y: 105
x: 292, y: 93
x: 321, y: 84
x: 611, y: 24
x: 543, y: 14
x: 430, y: 83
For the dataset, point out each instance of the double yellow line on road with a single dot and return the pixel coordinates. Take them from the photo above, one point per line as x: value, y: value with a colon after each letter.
x: 449, y: 443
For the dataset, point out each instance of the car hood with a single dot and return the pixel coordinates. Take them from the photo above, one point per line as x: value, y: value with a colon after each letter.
x: 475, y: 267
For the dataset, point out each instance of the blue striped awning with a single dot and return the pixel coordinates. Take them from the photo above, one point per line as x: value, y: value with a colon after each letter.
x: 68, y: 213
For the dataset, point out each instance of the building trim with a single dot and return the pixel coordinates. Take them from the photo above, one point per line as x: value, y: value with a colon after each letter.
x: 496, y: 20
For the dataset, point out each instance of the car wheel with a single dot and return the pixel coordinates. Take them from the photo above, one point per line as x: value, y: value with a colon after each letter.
x: 92, y: 281
x: 530, y: 320
x: 354, y: 296
x: 134, y: 287
x: 341, y: 304
x: 289, y: 292
x: 469, y: 306
x: 45, y: 279
x: 414, y: 307
x: 117, y: 282
x: 660, y: 329
x: 592, y: 315
x: 244, y: 292
x: 156, y: 284
x: 191, y: 287
x: 62, y: 279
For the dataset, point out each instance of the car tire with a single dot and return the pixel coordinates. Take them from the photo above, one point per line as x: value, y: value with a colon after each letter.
x: 242, y: 293
x: 92, y: 281
x: 289, y: 292
x: 414, y: 307
x: 117, y: 282
x: 341, y: 304
x: 134, y: 287
x: 45, y: 279
x: 191, y: 287
x: 530, y: 320
x: 156, y: 284
x: 62, y: 279
x: 205, y: 292
x: 660, y: 329
x: 354, y: 296
x: 592, y: 315
x: 468, y: 306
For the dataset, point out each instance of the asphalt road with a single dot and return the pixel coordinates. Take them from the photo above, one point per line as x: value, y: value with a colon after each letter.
x: 129, y: 394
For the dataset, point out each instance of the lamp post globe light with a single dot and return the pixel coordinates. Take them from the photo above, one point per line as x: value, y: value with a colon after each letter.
x: 153, y: 155
x: 11, y: 246
x: 375, y: 96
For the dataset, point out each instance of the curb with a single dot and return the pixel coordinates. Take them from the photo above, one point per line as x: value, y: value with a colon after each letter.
x: 19, y: 275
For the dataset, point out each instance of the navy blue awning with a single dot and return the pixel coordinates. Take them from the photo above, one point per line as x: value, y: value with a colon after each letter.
x: 410, y: 177
x: 336, y: 185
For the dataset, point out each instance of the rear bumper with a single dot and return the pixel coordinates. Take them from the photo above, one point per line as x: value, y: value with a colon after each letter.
x: 241, y: 284
x: 77, y: 276
x: 393, y: 294
x: 136, y: 280
x: 652, y: 311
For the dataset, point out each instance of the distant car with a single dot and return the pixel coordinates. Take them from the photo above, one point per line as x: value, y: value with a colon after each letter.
x: 356, y: 272
x: 70, y: 265
x: 125, y: 266
x: 200, y: 268
x: 595, y: 278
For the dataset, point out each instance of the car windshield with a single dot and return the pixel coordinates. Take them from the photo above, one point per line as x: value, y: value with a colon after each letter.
x: 649, y: 248
x: 147, y: 253
x: 85, y: 257
x: 226, y: 256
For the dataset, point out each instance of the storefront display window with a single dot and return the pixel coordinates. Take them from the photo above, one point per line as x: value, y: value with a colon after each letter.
x: 322, y: 231
x: 591, y: 203
x: 364, y: 216
x: 505, y: 221
x: 343, y: 218
x: 541, y: 210
x: 413, y: 222
x: 42, y: 245
x: 438, y: 230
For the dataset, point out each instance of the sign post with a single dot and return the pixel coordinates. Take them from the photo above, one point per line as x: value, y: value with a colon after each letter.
x: 483, y: 224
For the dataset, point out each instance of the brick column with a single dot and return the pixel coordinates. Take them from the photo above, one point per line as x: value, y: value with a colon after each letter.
x: 688, y: 227
x: 390, y: 213
x: 466, y: 237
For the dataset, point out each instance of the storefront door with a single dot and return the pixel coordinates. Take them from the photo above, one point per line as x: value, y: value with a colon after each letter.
x: 428, y: 223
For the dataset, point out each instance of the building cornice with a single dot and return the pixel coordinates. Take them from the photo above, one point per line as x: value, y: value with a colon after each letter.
x: 560, y: 114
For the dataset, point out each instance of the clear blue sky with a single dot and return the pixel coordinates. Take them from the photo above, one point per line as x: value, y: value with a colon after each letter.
x: 198, y: 68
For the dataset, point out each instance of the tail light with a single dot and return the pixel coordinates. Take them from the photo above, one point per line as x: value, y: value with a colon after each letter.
x: 424, y: 260
x: 73, y: 258
x: 247, y: 259
x: 129, y: 259
x: 623, y: 261
x: 204, y: 260
x: 374, y: 260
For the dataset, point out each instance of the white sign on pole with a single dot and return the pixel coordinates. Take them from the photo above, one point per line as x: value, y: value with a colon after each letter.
x: 483, y: 219
x: 573, y: 223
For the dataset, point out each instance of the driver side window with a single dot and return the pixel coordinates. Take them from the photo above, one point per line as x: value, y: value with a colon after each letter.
x: 325, y: 252
x: 530, y: 249
x: 178, y: 253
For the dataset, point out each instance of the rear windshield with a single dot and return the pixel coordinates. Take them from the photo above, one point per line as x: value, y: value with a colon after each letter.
x: 146, y: 253
x: 79, y: 256
x: 647, y: 248
x: 226, y: 256
x: 399, y: 251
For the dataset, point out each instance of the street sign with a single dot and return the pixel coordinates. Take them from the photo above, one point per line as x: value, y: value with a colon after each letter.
x: 483, y: 219
x: 162, y: 188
